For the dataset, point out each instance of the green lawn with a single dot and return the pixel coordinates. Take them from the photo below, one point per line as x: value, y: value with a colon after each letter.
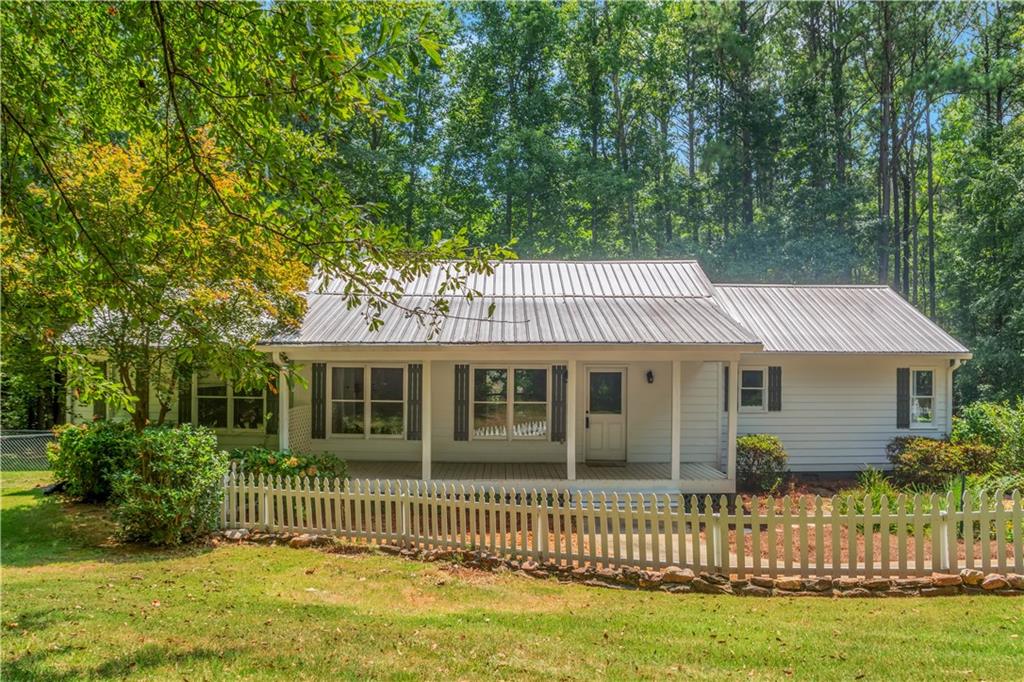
x: 76, y: 605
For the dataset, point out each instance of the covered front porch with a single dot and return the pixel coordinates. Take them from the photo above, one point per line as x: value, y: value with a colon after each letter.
x: 640, y: 419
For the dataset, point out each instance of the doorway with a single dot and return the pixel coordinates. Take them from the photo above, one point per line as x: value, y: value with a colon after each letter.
x: 605, y: 420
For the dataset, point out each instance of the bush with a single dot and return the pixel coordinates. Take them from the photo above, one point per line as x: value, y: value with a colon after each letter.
x: 930, y: 463
x: 998, y: 425
x: 760, y: 463
x: 258, y: 461
x: 173, y: 494
x: 88, y: 457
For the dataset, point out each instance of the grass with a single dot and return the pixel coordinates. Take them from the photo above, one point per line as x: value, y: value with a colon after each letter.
x: 76, y: 605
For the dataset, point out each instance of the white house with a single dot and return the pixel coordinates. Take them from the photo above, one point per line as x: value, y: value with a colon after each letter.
x: 618, y: 375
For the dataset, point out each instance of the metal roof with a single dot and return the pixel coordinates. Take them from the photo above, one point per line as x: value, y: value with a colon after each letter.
x: 590, y: 279
x: 526, y: 320
x: 628, y: 302
x: 834, y: 319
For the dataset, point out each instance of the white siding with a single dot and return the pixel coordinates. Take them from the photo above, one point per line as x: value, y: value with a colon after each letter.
x: 838, y: 413
x: 701, y: 410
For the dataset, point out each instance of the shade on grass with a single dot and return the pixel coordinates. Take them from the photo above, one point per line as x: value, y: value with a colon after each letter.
x: 77, y: 605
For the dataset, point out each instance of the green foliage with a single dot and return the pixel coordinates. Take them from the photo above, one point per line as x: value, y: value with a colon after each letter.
x: 90, y: 457
x: 929, y: 463
x: 761, y: 463
x: 173, y: 492
x: 258, y: 460
x: 173, y: 173
x: 874, y: 485
x: 998, y: 425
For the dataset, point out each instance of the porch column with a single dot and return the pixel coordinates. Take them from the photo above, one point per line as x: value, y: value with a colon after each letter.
x: 283, y: 406
x: 734, y: 408
x: 677, y: 426
x: 570, y: 421
x: 428, y: 421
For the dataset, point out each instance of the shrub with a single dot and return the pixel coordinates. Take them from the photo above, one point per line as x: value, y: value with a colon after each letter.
x: 257, y: 460
x: 998, y: 425
x: 760, y: 463
x: 173, y: 494
x: 930, y: 463
x: 90, y: 456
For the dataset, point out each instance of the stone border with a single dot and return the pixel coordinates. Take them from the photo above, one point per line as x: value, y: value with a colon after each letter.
x: 674, y: 579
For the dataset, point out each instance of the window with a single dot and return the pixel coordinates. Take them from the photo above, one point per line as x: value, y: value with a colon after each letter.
x: 530, y: 403
x: 212, y: 392
x: 379, y: 411
x: 504, y: 408
x: 220, y: 404
x: 922, y: 397
x: 752, y: 390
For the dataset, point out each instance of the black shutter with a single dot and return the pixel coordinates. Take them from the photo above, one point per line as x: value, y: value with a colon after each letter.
x: 273, y: 405
x: 414, y: 419
x: 461, y: 402
x: 559, y: 392
x: 903, y: 398
x: 99, y: 407
x: 725, y: 377
x: 184, y: 394
x: 318, y: 388
x: 774, y: 389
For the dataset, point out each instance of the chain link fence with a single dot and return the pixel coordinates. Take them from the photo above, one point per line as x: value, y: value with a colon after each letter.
x: 24, y: 450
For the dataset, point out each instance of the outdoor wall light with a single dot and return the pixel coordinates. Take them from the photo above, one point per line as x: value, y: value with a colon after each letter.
x: 650, y: 376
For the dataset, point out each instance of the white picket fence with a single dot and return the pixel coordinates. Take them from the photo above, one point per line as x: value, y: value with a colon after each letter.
x: 903, y: 537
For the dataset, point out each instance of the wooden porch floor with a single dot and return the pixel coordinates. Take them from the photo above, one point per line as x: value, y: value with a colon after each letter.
x: 512, y: 471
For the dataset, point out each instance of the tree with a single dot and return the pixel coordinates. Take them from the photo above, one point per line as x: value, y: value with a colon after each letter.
x: 238, y: 102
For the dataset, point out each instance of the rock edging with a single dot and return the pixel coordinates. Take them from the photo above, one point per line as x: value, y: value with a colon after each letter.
x: 675, y: 579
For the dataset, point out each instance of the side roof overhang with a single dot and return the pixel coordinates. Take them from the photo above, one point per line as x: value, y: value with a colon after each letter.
x: 835, y: 319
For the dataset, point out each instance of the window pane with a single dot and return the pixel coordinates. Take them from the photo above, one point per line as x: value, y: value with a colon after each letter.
x: 923, y: 383
x: 347, y: 383
x: 752, y: 378
x: 386, y: 383
x: 346, y: 417
x: 489, y: 420
x: 386, y: 418
x: 248, y: 392
x: 530, y: 420
x: 211, y: 384
x: 248, y: 413
x: 531, y: 385
x: 606, y: 392
x: 490, y: 385
x: 921, y: 411
x: 752, y: 397
x: 213, y: 412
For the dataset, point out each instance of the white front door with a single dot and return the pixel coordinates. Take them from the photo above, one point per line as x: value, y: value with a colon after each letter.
x: 606, y: 414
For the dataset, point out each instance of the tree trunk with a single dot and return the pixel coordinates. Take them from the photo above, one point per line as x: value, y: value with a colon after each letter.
x: 931, y: 210
x: 885, y: 96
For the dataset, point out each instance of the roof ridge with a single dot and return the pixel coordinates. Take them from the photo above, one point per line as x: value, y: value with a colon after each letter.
x: 611, y: 261
x: 765, y: 285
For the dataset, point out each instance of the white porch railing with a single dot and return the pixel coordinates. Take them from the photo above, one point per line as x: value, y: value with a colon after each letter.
x: 831, y: 537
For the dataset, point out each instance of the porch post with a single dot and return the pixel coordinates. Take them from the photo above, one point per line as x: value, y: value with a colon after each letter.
x: 570, y: 421
x: 677, y: 427
x: 427, y: 426
x: 283, y: 406
x: 734, y: 408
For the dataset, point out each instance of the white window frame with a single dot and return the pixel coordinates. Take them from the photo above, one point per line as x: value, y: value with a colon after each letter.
x: 367, y: 391
x: 914, y: 396
x: 509, y: 402
x: 763, y: 407
x: 230, y: 397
